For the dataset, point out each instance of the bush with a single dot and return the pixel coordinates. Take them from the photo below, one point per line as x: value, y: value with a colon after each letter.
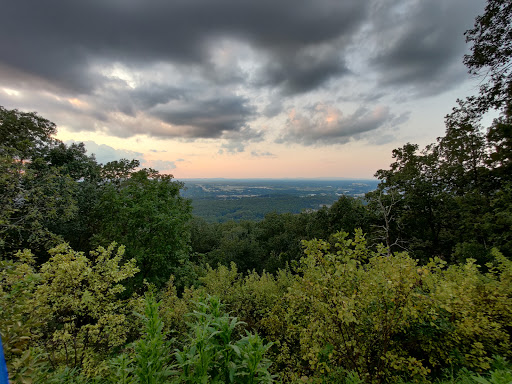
x: 385, y: 318
x: 67, y: 313
x: 212, y: 356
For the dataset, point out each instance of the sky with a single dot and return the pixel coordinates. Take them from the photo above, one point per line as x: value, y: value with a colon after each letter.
x: 239, y: 88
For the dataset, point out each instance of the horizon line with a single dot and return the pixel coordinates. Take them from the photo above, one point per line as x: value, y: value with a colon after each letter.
x: 277, y: 178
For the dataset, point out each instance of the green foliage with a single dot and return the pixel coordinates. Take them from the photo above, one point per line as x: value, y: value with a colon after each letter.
x: 73, y: 161
x: 31, y: 201
x: 173, y: 309
x: 452, y: 192
x: 117, y: 171
x: 499, y: 137
x: 145, y: 213
x: 51, y: 192
x: 24, y: 135
x: 66, y: 313
x: 208, y: 355
x: 350, y: 312
x: 275, y: 241
x: 121, y: 370
x: 151, y: 351
x: 256, y: 208
x: 79, y: 307
x: 239, y: 244
x: 491, y: 51
x: 356, y: 307
x: 64, y: 375
x: 149, y: 362
x: 500, y: 374
x: 40, y: 197
x: 18, y: 282
x: 445, y: 194
x: 211, y: 356
x: 384, y: 317
x: 252, y: 297
x: 477, y: 308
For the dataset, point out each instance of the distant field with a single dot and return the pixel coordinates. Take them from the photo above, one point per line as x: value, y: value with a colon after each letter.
x: 218, y: 200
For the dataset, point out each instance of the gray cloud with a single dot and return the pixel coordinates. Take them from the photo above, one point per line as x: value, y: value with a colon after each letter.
x: 419, y: 44
x: 151, y: 95
x: 67, y: 37
x: 304, y: 71
x: 237, y: 140
x: 200, y: 69
x: 263, y: 154
x: 326, y: 124
x: 208, y: 118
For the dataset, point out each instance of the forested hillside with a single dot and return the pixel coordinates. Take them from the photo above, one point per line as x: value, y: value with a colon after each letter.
x: 107, y: 277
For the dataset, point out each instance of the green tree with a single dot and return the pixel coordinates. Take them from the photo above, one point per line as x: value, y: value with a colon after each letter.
x: 387, y: 318
x: 117, y: 171
x: 45, y: 185
x: 417, y: 210
x: 347, y: 214
x: 144, y: 211
x: 447, y: 193
x: 24, y: 135
x: 280, y: 238
x: 72, y: 160
x: 18, y: 282
x: 204, y: 238
x: 499, y: 139
x: 491, y: 52
x: 463, y: 153
x: 33, y: 199
x: 239, y: 244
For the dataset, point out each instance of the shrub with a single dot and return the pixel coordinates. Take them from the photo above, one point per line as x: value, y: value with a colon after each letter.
x: 212, y: 356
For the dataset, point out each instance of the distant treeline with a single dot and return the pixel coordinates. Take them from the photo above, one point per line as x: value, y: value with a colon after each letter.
x: 255, y: 208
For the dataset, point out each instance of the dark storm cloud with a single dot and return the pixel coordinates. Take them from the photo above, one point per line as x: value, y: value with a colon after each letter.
x: 196, y: 69
x: 58, y: 39
x: 68, y: 45
x: 155, y: 94
x: 142, y: 98
x: 210, y: 118
x: 421, y: 43
x: 303, y: 71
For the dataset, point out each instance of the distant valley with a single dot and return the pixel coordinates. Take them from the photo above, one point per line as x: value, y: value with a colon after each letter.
x: 218, y: 200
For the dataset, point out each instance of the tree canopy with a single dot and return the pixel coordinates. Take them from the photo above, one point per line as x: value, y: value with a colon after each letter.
x: 491, y: 50
x: 51, y: 192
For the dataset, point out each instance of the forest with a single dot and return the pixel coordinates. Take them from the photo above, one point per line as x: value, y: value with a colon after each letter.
x: 252, y: 199
x: 107, y: 277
